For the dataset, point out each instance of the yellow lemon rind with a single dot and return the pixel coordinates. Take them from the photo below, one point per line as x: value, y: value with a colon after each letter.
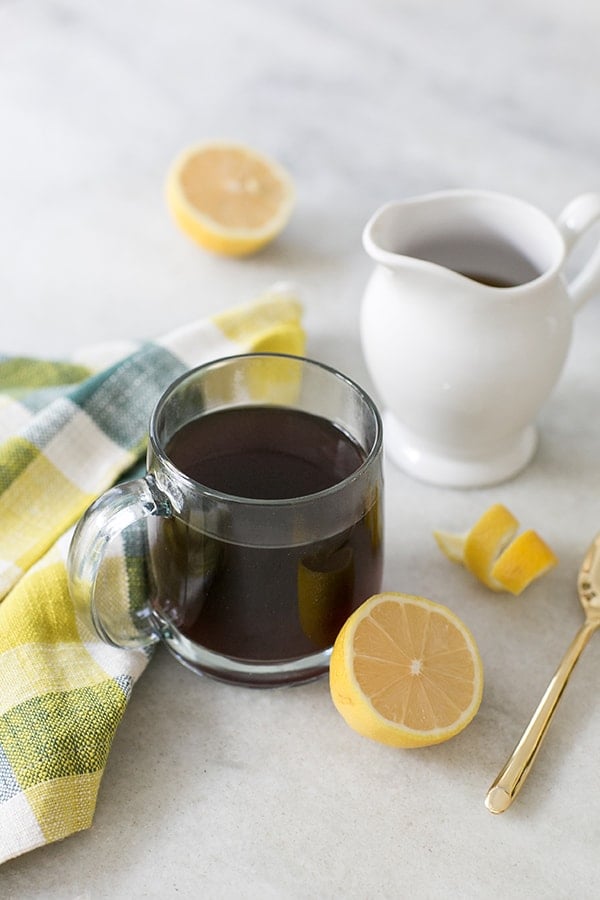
x: 526, y: 558
x: 486, y: 541
x: 492, y: 553
x: 356, y: 708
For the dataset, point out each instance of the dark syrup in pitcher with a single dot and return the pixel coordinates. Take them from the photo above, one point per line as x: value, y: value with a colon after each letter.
x: 489, y: 261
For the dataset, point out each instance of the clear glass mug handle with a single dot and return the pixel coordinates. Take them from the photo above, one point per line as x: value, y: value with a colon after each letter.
x: 576, y: 218
x: 117, y: 509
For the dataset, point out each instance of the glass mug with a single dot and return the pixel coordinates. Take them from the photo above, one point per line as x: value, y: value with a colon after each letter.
x: 262, y: 518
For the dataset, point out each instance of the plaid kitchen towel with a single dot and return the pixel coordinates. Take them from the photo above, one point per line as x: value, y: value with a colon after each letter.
x: 68, y: 430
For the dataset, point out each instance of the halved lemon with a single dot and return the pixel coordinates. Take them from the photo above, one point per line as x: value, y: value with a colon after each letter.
x: 406, y: 671
x: 229, y: 198
x: 492, y: 553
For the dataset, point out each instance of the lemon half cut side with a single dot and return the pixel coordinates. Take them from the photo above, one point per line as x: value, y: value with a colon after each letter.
x: 228, y: 197
x: 406, y: 671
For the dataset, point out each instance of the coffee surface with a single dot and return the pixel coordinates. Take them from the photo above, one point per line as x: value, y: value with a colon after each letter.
x: 264, y: 453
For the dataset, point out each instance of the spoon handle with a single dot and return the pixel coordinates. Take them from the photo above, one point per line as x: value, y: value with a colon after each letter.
x: 510, y: 780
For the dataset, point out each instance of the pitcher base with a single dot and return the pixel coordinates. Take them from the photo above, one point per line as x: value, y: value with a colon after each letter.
x: 425, y: 464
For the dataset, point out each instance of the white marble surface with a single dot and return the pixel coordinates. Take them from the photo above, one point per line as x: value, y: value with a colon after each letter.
x: 221, y: 792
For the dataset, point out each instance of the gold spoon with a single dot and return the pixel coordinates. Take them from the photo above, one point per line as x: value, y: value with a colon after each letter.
x: 510, y: 780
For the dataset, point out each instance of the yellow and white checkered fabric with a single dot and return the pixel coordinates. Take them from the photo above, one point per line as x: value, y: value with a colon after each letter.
x: 68, y: 430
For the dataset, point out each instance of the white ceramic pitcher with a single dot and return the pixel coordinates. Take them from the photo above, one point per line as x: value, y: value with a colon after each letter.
x: 466, y: 323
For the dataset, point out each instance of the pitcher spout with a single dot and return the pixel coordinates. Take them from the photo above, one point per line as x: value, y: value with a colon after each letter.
x: 408, y: 234
x: 383, y: 236
x: 401, y: 237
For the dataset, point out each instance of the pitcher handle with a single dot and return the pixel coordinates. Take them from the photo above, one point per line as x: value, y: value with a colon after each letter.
x: 575, y: 219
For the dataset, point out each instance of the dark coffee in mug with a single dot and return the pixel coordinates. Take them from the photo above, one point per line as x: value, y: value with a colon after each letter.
x: 264, y: 603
